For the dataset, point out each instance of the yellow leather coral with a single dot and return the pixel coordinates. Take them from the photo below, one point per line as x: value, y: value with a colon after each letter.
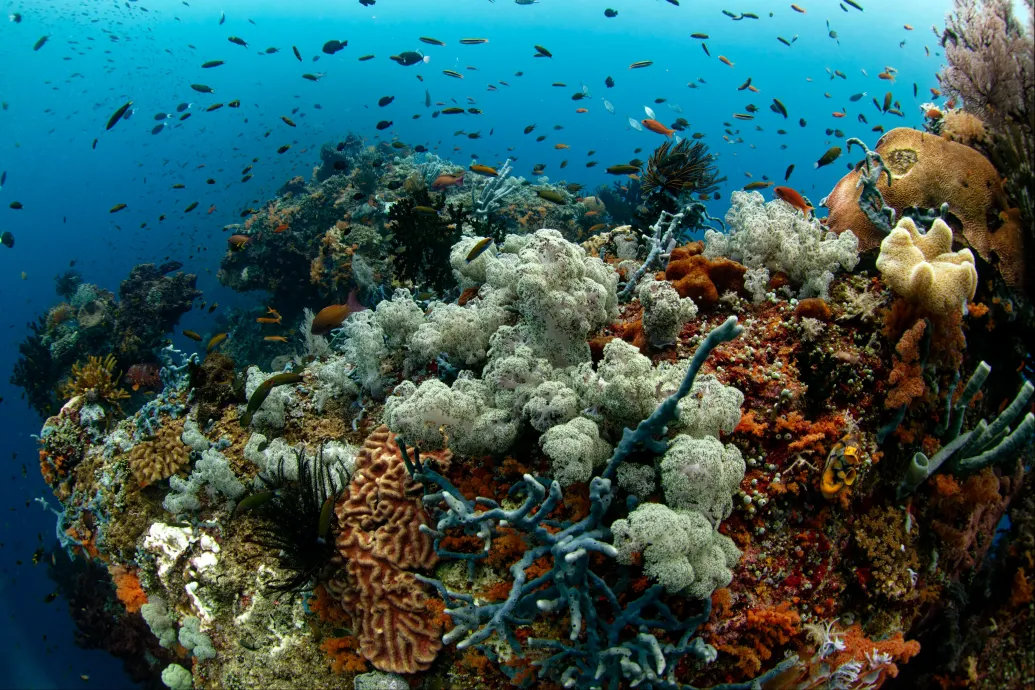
x: 923, y: 268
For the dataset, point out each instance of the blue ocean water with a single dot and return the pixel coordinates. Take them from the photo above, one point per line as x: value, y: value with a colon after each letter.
x: 99, y: 55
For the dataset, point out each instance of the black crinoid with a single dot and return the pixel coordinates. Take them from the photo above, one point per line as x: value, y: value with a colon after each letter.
x: 686, y: 168
x: 295, y: 519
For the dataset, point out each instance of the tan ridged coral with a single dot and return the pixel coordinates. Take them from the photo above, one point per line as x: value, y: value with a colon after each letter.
x: 160, y: 458
x: 381, y: 542
x: 928, y: 170
x: 924, y: 269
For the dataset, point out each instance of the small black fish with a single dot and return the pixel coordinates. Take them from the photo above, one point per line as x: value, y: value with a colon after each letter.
x: 384, y: 124
x: 332, y: 47
x: 238, y: 41
x: 118, y: 115
x: 611, y: 14
x: 212, y: 63
x: 787, y: 175
x: 201, y: 88
x: 40, y: 43
x: 609, y: 83
x: 297, y: 54
x: 385, y: 100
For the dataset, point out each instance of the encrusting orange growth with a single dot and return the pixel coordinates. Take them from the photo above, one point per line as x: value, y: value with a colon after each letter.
x: 749, y: 425
x: 764, y: 630
x: 907, y: 376
x: 340, y: 654
x: 1022, y: 592
x: 812, y: 308
x: 702, y: 279
x: 326, y: 606
x: 127, y: 588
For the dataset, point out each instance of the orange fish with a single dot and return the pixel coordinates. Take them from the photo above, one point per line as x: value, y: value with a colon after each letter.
x: 581, y: 110
x: 275, y: 339
x: 280, y: 228
x: 269, y: 319
x: 792, y: 197
x: 657, y: 127
x: 561, y: 146
x: 907, y: 27
x: 329, y: 318
x: 725, y: 60
x: 212, y: 208
x: 238, y: 242
x: 887, y: 76
x: 444, y: 180
x: 839, y: 114
x: 933, y: 113
x: 216, y: 340
x: 935, y: 92
x: 796, y: 8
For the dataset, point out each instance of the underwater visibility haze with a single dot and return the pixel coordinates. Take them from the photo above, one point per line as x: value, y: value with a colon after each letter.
x: 661, y: 344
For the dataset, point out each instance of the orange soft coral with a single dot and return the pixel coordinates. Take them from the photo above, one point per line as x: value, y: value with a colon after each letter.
x: 127, y: 588
x: 341, y: 654
x: 907, y: 375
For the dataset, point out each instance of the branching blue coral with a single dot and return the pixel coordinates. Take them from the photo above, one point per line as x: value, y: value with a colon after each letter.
x: 596, y: 655
x: 174, y: 378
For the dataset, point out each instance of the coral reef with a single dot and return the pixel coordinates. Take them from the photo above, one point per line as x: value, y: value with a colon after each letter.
x: 514, y: 460
x: 150, y: 304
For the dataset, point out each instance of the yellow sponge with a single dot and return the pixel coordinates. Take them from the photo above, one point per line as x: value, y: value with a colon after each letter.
x: 924, y: 269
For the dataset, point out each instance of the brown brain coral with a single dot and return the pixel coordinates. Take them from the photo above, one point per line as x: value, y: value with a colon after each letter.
x: 381, y: 543
x: 158, y: 459
x: 927, y: 171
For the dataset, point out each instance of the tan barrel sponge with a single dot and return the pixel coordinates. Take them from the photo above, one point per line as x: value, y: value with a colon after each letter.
x: 928, y: 170
x: 924, y: 269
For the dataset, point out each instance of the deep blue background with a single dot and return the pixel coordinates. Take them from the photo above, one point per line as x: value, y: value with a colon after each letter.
x: 101, y: 54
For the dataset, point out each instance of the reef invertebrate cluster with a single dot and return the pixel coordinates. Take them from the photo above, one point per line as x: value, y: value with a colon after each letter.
x: 568, y: 465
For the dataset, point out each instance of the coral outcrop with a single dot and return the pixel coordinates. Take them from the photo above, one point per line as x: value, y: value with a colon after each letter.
x: 928, y: 171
